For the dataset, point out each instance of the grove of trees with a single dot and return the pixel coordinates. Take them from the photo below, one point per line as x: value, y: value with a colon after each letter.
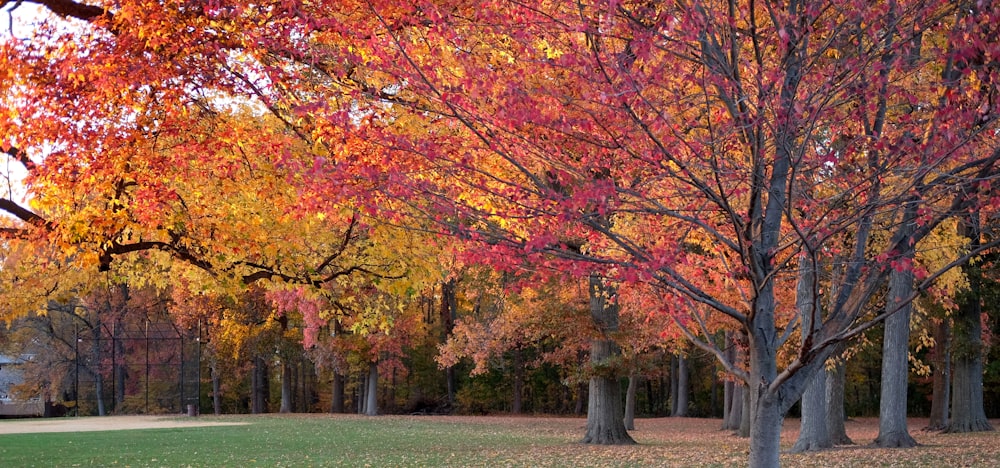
x: 748, y: 207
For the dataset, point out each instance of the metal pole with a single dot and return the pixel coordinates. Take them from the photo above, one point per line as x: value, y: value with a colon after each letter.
x: 147, y: 366
x: 114, y: 370
x: 198, y: 351
x: 180, y: 343
x: 76, y: 351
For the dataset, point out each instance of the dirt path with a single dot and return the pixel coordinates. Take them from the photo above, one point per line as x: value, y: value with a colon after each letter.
x: 107, y: 423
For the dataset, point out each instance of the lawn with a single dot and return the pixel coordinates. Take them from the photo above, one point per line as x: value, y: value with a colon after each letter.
x: 324, y: 440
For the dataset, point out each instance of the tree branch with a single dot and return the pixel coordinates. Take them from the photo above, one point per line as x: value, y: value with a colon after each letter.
x: 70, y: 8
x: 22, y: 158
x: 24, y: 214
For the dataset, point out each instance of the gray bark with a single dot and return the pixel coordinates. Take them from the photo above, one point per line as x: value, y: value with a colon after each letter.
x: 674, y: 384
x: 259, y: 386
x: 813, y: 433
x: 941, y: 377
x: 766, y: 416
x: 770, y: 401
x: 732, y: 411
x: 744, y: 402
x: 633, y: 382
x: 216, y: 391
x: 371, y: 391
x: 766, y: 412
x: 835, y: 415
x: 581, y: 396
x: 605, y: 425
x: 361, y: 400
x: 308, y: 395
x: 286, y: 387
x: 296, y: 384
x: 727, y: 404
x: 968, y: 414
x: 892, y: 430
x: 682, y: 390
x: 337, y: 388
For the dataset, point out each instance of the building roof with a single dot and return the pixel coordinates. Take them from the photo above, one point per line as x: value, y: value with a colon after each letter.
x: 5, y: 359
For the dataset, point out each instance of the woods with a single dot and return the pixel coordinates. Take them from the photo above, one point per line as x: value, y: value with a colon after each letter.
x: 767, y: 184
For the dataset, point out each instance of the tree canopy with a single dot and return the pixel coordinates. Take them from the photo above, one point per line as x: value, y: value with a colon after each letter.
x: 702, y: 152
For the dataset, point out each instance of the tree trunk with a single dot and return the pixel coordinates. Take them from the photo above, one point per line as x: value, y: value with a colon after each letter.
x: 769, y: 399
x: 216, y: 391
x: 835, y: 414
x: 361, y: 389
x: 663, y: 392
x: 286, y: 387
x: 99, y: 393
x: 736, y: 412
x: 814, y: 429
x: 727, y: 405
x: 732, y: 391
x: 371, y: 393
x: 968, y: 414
x: 765, y: 409
x: 941, y: 387
x: 449, y: 312
x: 298, y: 383
x: 604, y: 409
x: 633, y: 382
x: 308, y: 397
x: 649, y: 397
x: 836, y: 377
x: 581, y: 396
x: 892, y: 430
x: 518, y: 371
x: 745, y: 411
x: 337, y: 399
x: 765, y: 430
x: 674, y: 383
x: 260, y: 386
x: 254, y: 408
x: 682, y: 392
x: 813, y: 433
x: 713, y: 402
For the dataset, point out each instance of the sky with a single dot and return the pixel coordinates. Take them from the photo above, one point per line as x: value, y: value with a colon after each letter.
x: 20, y: 20
x: 16, y: 22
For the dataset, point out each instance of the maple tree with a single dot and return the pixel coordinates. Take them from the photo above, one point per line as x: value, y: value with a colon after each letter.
x: 626, y: 132
x: 675, y: 145
x: 182, y: 176
x: 550, y: 318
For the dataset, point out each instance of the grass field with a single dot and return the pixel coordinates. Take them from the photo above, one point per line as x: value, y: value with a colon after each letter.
x: 324, y: 440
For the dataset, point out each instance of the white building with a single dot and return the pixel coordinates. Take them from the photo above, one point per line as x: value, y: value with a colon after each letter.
x: 11, y: 375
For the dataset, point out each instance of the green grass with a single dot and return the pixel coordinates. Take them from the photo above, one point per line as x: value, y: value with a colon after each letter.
x: 279, y: 441
x: 401, y: 441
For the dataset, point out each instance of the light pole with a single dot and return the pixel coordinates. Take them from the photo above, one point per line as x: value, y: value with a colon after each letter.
x: 76, y: 361
x: 198, y: 360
